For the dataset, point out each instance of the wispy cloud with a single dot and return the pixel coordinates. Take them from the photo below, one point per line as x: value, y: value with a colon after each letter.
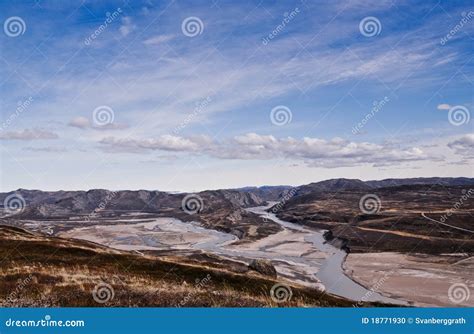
x: 28, y: 134
x: 444, y: 106
x: 159, y: 39
x: 84, y: 123
x: 46, y: 149
x: 464, y: 145
x: 127, y: 26
x: 320, y: 66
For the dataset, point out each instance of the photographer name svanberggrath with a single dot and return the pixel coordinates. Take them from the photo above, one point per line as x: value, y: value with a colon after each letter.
x: 440, y: 321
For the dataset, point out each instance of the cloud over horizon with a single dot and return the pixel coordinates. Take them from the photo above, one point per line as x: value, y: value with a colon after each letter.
x: 314, y: 152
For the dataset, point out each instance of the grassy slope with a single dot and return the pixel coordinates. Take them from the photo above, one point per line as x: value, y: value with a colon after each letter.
x: 41, y: 271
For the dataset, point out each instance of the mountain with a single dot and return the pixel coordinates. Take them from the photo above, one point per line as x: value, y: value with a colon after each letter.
x: 444, y: 181
x: 342, y: 184
x: 333, y: 185
x: 267, y: 193
x: 50, y: 204
x: 64, y: 203
x: 388, y: 215
x: 221, y: 210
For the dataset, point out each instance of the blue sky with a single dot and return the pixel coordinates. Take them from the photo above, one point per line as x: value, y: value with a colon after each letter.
x: 180, y: 95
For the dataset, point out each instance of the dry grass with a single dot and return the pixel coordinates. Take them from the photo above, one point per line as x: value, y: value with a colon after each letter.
x: 41, y: 271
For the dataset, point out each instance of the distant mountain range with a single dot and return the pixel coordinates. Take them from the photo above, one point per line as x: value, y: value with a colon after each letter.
x: 63, y: 203
x: 355, y: 184
x: 333, y: 205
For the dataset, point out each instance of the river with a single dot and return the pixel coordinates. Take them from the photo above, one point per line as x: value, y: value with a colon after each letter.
x: 299, y: 254
x: 330, y: 273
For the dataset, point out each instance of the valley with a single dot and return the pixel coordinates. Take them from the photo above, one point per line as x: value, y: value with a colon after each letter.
x: 319, y: 238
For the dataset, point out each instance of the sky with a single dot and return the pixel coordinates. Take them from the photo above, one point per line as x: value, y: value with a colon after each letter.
x: 194, y: 95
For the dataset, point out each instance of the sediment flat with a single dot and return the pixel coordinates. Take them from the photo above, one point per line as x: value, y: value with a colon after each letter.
x: 422, y: 279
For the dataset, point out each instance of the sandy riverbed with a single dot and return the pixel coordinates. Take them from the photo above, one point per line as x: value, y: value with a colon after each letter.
x: 424, y: 280
x: 160, y: 234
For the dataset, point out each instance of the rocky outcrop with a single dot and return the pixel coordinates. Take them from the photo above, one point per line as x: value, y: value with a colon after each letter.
x: 263, y: 267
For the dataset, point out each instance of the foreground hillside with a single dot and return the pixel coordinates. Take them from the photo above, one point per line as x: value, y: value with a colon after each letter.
x: 48, y: 271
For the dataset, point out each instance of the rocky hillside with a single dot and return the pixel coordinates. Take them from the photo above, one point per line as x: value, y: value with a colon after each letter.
x: 41, y: 204
x: 267, y: 193
x: 223, y: 210
x: 433, y: 215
